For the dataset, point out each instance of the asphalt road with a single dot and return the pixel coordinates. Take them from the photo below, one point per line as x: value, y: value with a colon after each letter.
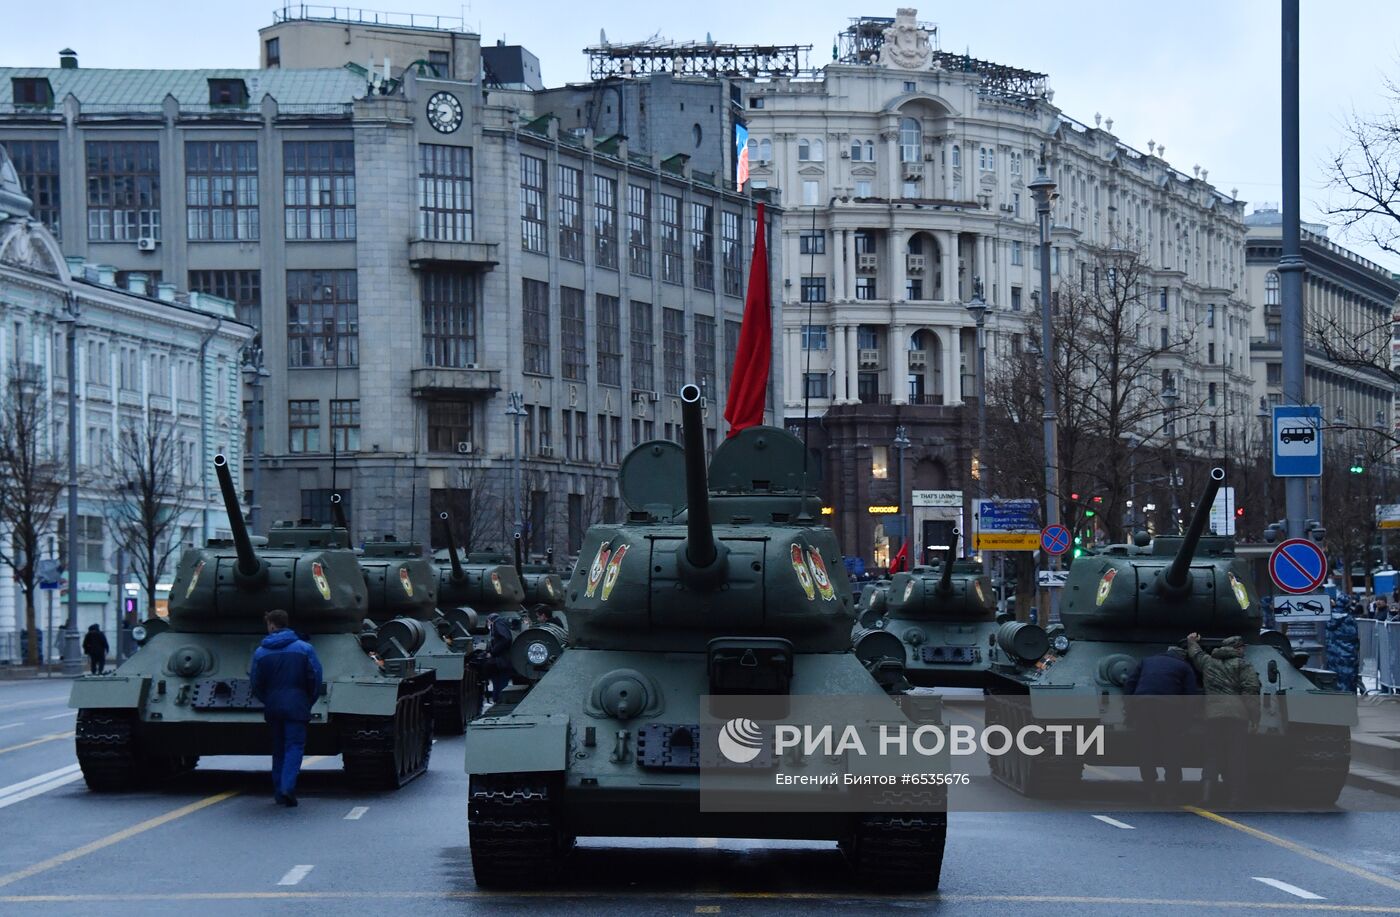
x: 213, y: 844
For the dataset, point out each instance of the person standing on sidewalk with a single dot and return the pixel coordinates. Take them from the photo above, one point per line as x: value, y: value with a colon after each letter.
x: 286, y: 677
x: 95, y: 647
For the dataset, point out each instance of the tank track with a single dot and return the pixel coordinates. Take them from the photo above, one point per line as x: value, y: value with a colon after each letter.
x: 112, y: 760
x: 1320, y: 759
x: 898, y: 851
x: 1034, y: 776
x: 386, y: 752
x: 513, y: 830
x: 456, y: 703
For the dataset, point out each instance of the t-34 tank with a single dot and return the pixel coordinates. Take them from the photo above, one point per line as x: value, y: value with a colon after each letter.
x: 543, y: 586
x: 1126, y: 602
x: 937, y: 623
x: 468, y: 592
x: 403, y: 590
x: 186, y: 692
x: 666, y: 610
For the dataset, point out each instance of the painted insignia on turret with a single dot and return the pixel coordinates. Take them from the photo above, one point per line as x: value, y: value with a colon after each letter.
x: 614, y: 566
x: 318, y: 575
x: 908, y: 589
x: 814, y: 560
x: 977, y: 588
x: 804, y: 575
x: 496, y: 582
x: 194, y: 578
x: 1105, y: 586
x: 1241, y: 593
x: 405, y: 581
x: 595, y: 570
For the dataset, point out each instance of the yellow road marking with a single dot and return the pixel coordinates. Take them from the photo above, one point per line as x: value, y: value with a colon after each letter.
x: 1297, y: 848
x: 39, y: 741
x: 707, y: 909
x: 1272, y: 906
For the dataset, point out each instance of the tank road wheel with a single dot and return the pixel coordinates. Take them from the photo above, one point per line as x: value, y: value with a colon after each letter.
x: 1037, y: 776
x: 898, y: 851
x: 513, y: 830
x: 1318, y: 760
x: 385, y: 752
x: 106, y: 749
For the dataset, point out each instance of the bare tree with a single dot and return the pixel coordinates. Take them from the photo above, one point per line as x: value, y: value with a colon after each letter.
x: 31, y: 480
x: 1365, y: 175
x: 151, y: 488
x: 474, y: 506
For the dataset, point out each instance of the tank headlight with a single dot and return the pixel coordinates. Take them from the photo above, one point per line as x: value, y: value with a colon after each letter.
x: 1060, y: 643
x: 138, y: 633
x: 537, y: 653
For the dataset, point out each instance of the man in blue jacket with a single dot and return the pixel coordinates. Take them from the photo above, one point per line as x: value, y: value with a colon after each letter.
x: 1159, y: 723
x: 286, y: 677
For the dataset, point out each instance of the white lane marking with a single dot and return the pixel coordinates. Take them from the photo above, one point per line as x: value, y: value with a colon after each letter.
x: 59, y: 716
x: 295, y: 875
x: 1114, y: 822
x: 27, y: 789
x: 11, y: 725
x: 1291, y: 889
x: 355, y: 813
x: 707, y: 842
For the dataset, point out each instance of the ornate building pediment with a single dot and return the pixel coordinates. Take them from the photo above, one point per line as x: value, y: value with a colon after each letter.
x: 906, y: 45
x: 25, y: 244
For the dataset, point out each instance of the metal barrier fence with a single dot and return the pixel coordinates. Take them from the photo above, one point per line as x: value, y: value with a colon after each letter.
x: 1380, y: 653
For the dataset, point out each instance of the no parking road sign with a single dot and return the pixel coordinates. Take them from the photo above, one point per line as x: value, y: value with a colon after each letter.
x: 1054, y: 540
x: 1297, y: 566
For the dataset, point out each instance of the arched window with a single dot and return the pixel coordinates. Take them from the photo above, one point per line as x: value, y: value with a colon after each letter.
x: 804, y: 150
x: 916, y: 244
x: 911, y: 140
x: 870, y: 151
x: 855, y: 150
x: 957, y: 157
x: 991, y: 159
x: 753, y: 150
x: 1271, y: 288
x: 765, y: 150
x: 817, y: 151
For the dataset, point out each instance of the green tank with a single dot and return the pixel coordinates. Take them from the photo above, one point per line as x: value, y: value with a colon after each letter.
x: 186, y: 692
x: 730, y: 586
x: 403, y: 595
x: 543, y: 586
x: 468, y: 592
x: 1123, y: 603
x: 937, y: 623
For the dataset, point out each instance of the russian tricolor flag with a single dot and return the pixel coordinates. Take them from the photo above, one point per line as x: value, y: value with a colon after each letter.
x: 741, y: 140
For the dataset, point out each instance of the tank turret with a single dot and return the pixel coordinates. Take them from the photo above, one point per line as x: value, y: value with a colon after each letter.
x: 950, y: 594
x: 481, y: 583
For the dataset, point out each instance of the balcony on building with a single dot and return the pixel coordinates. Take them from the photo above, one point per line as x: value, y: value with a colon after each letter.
x: 435, y: 252
x: 436, y: 382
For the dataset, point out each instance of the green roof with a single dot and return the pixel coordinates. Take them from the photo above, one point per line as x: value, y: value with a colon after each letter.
x: 142, y: 89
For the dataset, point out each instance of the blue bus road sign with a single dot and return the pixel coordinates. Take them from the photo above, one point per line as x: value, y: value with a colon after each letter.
x: 1297, y: 566
x: 1297, y: 441
x: 1054, y: 539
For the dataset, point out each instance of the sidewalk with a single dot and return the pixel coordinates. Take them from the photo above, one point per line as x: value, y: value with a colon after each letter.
x: 1375, y: 745
x: 27, y: 672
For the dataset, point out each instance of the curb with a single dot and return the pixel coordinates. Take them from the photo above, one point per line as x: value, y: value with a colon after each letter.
x: 1374, y: 779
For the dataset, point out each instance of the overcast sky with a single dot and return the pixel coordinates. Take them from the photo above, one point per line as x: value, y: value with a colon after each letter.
x: 1199, y: 76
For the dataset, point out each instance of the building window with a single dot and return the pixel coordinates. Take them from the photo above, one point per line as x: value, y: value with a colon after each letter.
x: 812, y: 243
x: 1162, y: 300
x: 1015, y: 203
x: 244, y: 288
x: 672, y: 261
x: 1271, y: 288
x: 573, y: 354
x: 865, y: 243
x: 865, y: 288
x: 228, y: 93
x: 316, y: 504
x: 639, y: 230
x: 441, y: 62
x: 705, y: 354
x: 570, y: 213
x: 545, y: 432
x: 31, y: 93
x: 731, y: 343
x: 1015, y: 164
x: 1015, y: 299
x: 880, y: 462
x: 91, y: 542
x: 36, y: 163
x: 910, y: 86
x: 304, y: 426
x: 957, y: 156
x: 814, y: 385
x: 1271, y: 332
x: 451, y: 426
x: 345, y: 424
x: 643, y: 376
x: 1210, y: 352
x: 814, y: 289
x: 318, y: 180
x: 673, y: 349
x: 123, y: 190
x: 1210, y: 397
x: 322, y: 319
x: 913, y: 289
x: 765, y: 148
x: 605, y: 221
x: 532, y: 204
x: 864, y: 188
x: 535, y: 299
x: 221, y: 190
x: 911, y: 140
x: 814, y: 337
x: 445, y: 192
x: 607, y: 310
x: 702, y: 245
x: 274, y: 52
x: 1273, y: 373
x: 732, y: 254
x: 1017, y: 254
x: 811, y: 193
x: 449, y: 319
x: 804, y: 150
x: 610, y: 439
x: 1210, y: 316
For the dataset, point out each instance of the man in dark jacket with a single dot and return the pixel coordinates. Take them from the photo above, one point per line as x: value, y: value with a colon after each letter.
x: 498, y: 649
x: 95, y: 648
x: 1232, y: 710
x: 1159, y: 724
x: 286, y: 677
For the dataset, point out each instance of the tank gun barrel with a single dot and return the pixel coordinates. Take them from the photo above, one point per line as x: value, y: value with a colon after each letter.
x: 457, y: 572
x: 1176, y: 575
x: 700, y: 547
x: 338, y: 514
x: 248, y: 562
x: 519, y: 558
x: 945, y: 582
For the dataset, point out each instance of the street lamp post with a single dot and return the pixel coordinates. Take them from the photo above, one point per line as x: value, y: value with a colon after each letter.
x: 1171, y: 398
x: 72, y: 652
x: 978, y: 308
x: 515, y: 409
x: 901, y: 442
x: 1043, y: 190
x: 253, y: 374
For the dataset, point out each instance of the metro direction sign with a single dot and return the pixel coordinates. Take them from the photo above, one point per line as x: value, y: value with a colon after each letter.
x: 1297, y: 441
x: 1006, y: 525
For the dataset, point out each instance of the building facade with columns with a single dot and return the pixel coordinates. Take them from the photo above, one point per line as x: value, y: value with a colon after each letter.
x: 904, y: 174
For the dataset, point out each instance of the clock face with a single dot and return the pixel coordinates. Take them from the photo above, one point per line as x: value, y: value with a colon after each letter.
x: 444, y: 112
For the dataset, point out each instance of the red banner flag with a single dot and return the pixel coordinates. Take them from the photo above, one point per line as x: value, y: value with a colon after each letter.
x: 901, y: 559
x: 748, y: 384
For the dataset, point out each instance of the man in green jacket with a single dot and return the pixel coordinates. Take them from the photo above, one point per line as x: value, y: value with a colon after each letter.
x: 1232, y: 710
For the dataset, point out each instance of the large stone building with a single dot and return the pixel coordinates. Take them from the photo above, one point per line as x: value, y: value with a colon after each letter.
x: 415, y: 242
x: 904, y: 174
x: 147, y: 358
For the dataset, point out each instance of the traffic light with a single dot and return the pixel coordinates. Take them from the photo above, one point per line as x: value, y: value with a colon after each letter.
x: 1098, y: 499
x: 1239, y: 512
x: 1357, y: 467
x: 1078, y: 546
x: 1088, y: 514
